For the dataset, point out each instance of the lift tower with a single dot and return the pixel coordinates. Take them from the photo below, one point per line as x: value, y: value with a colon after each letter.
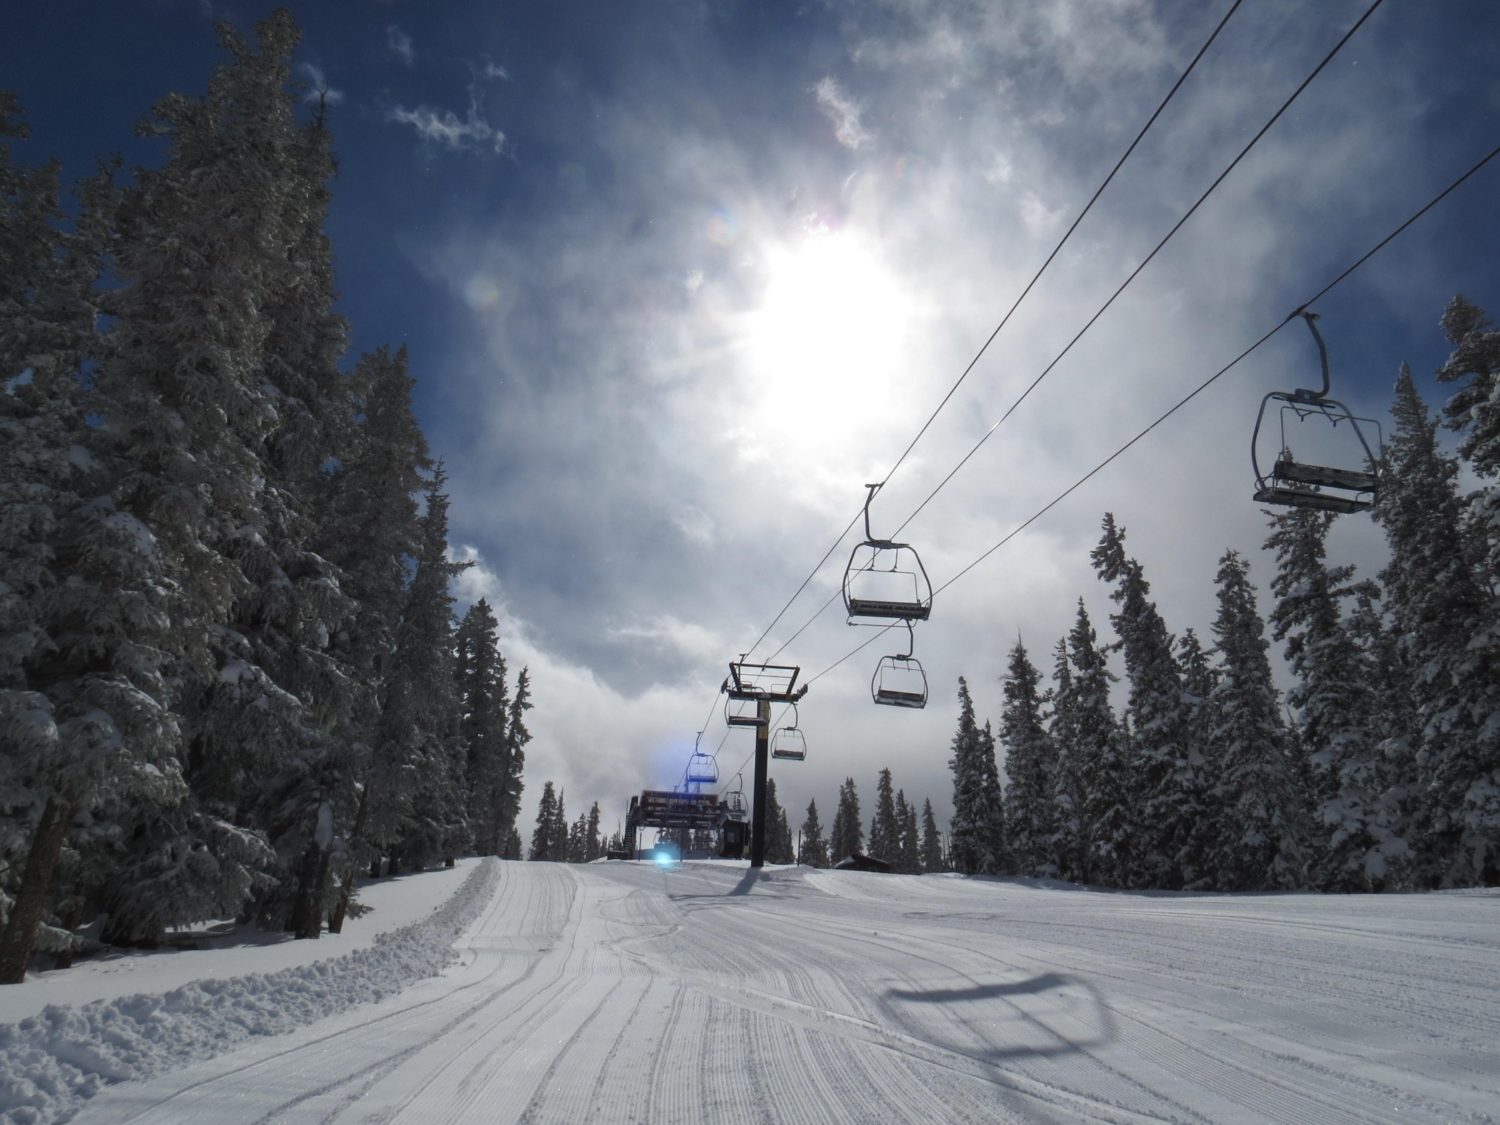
x: 761, y: 685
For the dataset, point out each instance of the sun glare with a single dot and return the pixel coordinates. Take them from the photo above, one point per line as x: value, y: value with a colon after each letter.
x: 825, y: 340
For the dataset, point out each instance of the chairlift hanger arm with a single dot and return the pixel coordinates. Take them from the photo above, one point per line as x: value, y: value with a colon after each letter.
x: 1302, y: 394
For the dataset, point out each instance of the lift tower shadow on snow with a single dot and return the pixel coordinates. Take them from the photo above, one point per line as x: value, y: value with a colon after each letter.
x: 762, y: 685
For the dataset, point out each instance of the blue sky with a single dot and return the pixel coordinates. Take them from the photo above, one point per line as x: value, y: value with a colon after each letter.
x: 679, y: 277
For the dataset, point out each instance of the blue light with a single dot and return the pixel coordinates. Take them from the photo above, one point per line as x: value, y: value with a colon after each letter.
x: 664, y: 860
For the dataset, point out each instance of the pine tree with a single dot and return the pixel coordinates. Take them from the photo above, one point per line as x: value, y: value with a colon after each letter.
x: 593, y: 849
x: 1029, y: 808
x: 416, y: 806
x: 1442, y: 616
x: 542, y: 839
x: 908, y: 853
x: 557, y: 833
x: 85, y: 716
x: 1169, y: 805
x: 1104, y: 768
x: 1262, y: 842
x: 1068, y: 844
x: 512, y: 847
x: 814, y: 847
x: 1358, y: 814
x: 884, y: 830
x: 932, y: 841
x: 480, y: 670
x: 848, y: 835
x: 513, y: 763
x: 779, y: 847
x: 978, y: 817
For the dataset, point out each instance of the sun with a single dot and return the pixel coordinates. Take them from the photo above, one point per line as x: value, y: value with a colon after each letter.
x: 825, y: 341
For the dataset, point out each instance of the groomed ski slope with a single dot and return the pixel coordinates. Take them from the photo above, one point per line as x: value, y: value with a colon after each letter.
x: 625, y: 992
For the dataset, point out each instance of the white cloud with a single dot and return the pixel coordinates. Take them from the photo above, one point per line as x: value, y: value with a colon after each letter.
x: 399, y: 43
x: 491, y: 71
x: 320, y: 92
x: 844, y: 112
x: 445, y: 128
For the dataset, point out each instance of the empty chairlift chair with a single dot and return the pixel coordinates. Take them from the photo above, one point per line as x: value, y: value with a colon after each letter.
x: 1300, y: 484
x: 702, y: 769
x: 899, y: 681
x: 788, y: 743
x: 885, y: 580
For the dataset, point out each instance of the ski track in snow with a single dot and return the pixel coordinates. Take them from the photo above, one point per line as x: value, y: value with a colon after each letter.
x: 625, y: 992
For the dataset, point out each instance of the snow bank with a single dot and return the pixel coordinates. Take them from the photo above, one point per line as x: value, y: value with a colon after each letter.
x: 52, y: 1062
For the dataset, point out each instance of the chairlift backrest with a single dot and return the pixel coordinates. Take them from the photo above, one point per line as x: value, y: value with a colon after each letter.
x: 899, y: 681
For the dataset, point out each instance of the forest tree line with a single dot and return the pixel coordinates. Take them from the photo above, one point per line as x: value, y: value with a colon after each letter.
x: 1378, y: 770
x: 231, y: 678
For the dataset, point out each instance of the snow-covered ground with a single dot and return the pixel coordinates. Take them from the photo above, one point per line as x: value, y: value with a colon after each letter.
x: 624, y: 992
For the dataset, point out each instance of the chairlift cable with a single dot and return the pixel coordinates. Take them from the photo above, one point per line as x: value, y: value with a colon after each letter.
x: 1140, y: 135
x: 1194, y: 393
x: 1103, y: 308
x: 1061, y: 243
x: 1222, y: 176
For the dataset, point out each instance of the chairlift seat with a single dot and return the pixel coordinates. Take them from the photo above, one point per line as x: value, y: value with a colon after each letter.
x: 790, y: 753
x: 888, y: 610
x: 1324, y: 476
x: 1318, y: 501
x: 893, y: 698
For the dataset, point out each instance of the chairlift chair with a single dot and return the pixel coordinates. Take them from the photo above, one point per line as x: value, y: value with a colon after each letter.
x: 885, y: 580
x: 1299, y: 484
x: 788, y: 743
x: 899, y: 681
x: 734, y: 801
x: 702, y: 769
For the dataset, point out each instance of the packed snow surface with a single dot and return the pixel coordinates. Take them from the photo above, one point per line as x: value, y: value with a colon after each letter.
x: 703, y: 992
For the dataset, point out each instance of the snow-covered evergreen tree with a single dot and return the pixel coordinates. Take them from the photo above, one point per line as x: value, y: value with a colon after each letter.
x: 1356, y: 815
x: 1262, y: 842
x: 1067, y: 843
x: 909, y: 853
x: 779, y: 846
x: 814, y: 846
x: 932, y: 841
x: 1110, y: 831
x: 847, y: 836
x: 1442, y: 614
x: 513, y: 763
x: 978, y: 830
x: 593, y: 848
x: 884, y: 830
x: 85, y: 721
x: 485, y: 701
x: 546, y: 821
x: 1169, y: 790
x: 1029, y: 809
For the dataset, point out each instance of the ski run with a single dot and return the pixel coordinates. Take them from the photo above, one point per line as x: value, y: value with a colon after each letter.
x: 705, y: 992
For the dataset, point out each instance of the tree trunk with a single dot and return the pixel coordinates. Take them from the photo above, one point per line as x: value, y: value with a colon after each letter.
x: 306, y: 917
x: 19, y: 936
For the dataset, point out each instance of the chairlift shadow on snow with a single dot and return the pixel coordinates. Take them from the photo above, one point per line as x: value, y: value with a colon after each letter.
x: 997, y: 1009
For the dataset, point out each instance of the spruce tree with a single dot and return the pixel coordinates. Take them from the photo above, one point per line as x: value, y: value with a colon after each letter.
x: 848, y: 835
x: 1104, y: 770
x: 513, y: 763
x: 978, y: 832
x: 546, y: 819
x: 1442, y: 616
x: 932, y: 841
x: 909, y: 853
x: 1169, y: 803
x: 1262, y: 843
x: 85, y: 696
x: 480, y: 669
x: 884, y: 830
x: 593, y: 848
x: 1359, y: 813
x: 814, y: 847
x: 1068, y: 845
x: 1028, y: 760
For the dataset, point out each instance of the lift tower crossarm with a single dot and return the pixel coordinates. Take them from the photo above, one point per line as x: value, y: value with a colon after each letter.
x: 764, y: 684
